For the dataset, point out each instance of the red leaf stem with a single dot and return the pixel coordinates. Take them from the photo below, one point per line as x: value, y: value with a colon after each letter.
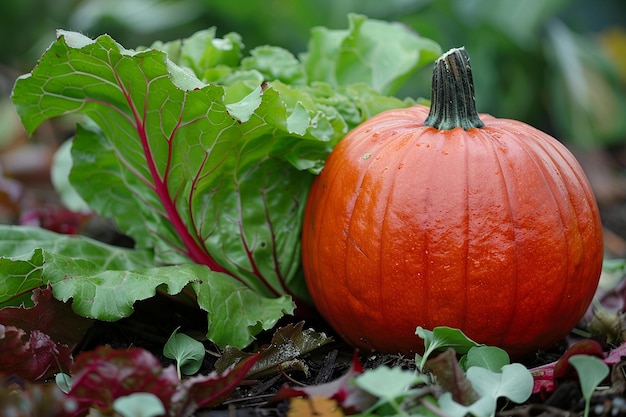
x: 194, y: 250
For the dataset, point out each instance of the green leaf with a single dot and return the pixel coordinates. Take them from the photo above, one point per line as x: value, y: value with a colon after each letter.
x: 443, y: 337
x: 107, y: 294
x: 60, y: 172
x: 483, y: 407
x: 244, y: 108
x: 591, y: 372
x: 186, y: 351
x: 25, y: 251
x: 236, y: 313
x: 139, y: 404
x: 515, y: 382
x: 202, y: 51
x: 390, y: 385
x: 488, y: 357
x: 18, y: 277
x: 105, y: 281
x: 377, y: 53
x: 18, y: 241
x: 63, y: 381
x: 275, y: 64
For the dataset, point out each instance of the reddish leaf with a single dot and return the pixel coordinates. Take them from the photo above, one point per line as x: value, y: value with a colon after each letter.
x: 32, y: 356
x: 208, y: 390
x: 452, y: 378
x: 50, y: 316
x: 105, y: 374
x: 546, y: 376
x: 350, y: 397
x: 56, y: 219
x: 563, y: 369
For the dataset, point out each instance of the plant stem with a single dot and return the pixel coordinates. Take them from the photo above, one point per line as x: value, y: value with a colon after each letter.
x: 452, y: 103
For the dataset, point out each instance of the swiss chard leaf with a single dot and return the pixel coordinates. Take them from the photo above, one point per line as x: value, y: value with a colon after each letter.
x: 204, y: 157
x: 105, y: 281
x: 176, y: 170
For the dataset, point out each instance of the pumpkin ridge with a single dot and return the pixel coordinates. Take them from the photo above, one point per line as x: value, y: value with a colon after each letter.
x: 466, y: 246
x: 382, y: 171
x: 505, y: 174
x: 565, y: 212
x: 386, y: 276
x: 572, y: 182
x: 533, y: 145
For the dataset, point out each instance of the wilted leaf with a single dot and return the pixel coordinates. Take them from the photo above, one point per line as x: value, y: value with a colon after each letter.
x: 451, y: 377
x: 288, y: 344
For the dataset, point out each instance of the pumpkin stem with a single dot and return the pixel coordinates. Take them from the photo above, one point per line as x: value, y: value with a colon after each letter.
x: 452, y: 102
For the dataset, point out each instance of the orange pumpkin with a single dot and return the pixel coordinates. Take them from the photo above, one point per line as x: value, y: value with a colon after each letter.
x: 431, y: 217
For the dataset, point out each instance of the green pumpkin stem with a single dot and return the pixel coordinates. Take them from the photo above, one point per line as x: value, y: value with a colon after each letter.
x: 452, y: 102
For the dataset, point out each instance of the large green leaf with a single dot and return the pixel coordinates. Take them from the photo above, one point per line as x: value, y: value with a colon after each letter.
x: 174, y: 167
x: 230, y: 324
x: 103, y: 282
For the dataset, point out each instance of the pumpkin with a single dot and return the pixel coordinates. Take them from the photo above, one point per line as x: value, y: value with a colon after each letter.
x: 443, y: 217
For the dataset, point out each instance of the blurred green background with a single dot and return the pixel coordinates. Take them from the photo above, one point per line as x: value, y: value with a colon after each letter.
x: 557, y: 64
